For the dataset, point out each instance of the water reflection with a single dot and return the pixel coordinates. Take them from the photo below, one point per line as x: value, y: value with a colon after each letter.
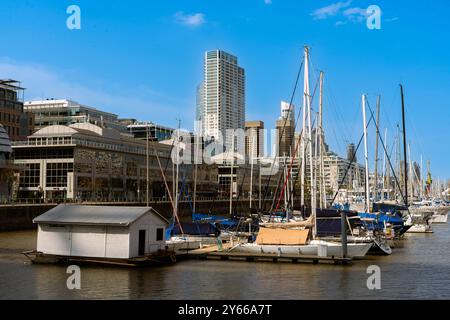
x: 418, y: 268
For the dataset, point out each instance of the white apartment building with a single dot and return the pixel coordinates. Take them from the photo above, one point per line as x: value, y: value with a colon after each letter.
x: 221, y: 98
x: 335, y: 169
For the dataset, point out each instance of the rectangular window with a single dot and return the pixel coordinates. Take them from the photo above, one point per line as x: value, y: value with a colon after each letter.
x: 57, y: 174
x: 159, y: 234
x: 30, y: 176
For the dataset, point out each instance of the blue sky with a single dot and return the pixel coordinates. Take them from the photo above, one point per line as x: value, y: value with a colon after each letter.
x: 144, y: 59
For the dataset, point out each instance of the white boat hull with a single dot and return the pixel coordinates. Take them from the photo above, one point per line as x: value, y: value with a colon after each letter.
x: 379, y: 245
x: 184, y: 243
x: 439, y: 218
x: 333, y: 249
x: 420, y: 228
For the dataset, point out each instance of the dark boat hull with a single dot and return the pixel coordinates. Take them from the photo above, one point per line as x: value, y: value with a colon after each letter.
x: 380, y: 248
x: 149, y: 260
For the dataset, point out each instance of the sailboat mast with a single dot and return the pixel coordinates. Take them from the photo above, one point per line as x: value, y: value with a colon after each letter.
x: 411, y: 186
x: 259, y: 189
x: 147, y: 170
x: 196, y: 138
x: 321, y: 142
x: 303, y: 144
x: 286, y: 183
x: 292, y: 189
x: 251, y: 174
x: 384, y: 162
x: 231, y: 176
x: 178, y: 169
x: 404, y: 145
x: 289, y: 185
x: 173, y: 179
x: 366, y: 158
x: 397, y: 162
x: 316, y: 158
x: 311, y: 166
x: 421, y: 177
x: 375, y: 185
x: 428, y: 179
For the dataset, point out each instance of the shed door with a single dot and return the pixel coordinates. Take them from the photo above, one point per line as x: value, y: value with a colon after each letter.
x: 88, y: 241
x: 141, y: 247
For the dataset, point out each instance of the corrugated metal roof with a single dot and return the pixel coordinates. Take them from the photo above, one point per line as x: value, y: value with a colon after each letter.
x: 94, y: 215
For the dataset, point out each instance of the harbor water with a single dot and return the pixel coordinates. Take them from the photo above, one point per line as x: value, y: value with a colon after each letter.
x: 417, y: 269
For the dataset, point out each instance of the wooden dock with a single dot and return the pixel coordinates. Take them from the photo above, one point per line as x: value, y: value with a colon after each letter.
x: 213, y: 253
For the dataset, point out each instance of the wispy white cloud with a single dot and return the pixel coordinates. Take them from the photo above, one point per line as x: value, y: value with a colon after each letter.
x: 193, y: 20
x: 43, y: 82
x: 355, y: 14
x: 330, y: 11
x: 340, y: 23
x: 392, y: 19
x: 343, y: 11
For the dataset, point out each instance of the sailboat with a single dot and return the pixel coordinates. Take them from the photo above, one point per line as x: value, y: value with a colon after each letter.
x: 393, y: 214
x: 435, y: 209
x: 329, y: 220
x: 375, y: 226
x: 420, y: 220
x: 403, y: 218
x: 366, y: 229
x: 300, y: 237
x: 440, y: 213
x: 372, y: 221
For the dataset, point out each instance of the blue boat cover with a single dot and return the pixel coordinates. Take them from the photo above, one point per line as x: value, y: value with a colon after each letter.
x: 193, y: 228
x: 329, y: 221
x: 381, y: 218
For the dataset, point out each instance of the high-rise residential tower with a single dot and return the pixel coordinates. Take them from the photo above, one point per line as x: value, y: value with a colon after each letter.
x: 221, y: 97
x: 199, y: 108
x: 287, y: 111
x: 254, y: 139
x: 285, y: 127
x: 351, y: 153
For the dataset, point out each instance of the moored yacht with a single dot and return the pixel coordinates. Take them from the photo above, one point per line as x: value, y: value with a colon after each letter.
x: 296, y: 242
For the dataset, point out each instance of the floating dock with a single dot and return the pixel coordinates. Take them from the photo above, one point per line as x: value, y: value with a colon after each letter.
x: 148, y: 260
x: 213, y: 253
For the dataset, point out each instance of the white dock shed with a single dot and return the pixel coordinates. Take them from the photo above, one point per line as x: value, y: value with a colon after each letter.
x: 100, y: 231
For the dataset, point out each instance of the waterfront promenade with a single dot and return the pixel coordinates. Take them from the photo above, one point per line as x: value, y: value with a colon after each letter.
x: 19, y: 216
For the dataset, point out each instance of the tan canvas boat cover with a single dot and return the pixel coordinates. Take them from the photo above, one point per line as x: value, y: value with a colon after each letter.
x: 288, y: 225
x: 282, y: 236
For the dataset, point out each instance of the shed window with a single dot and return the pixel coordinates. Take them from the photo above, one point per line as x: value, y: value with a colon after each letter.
x: 159, y: 234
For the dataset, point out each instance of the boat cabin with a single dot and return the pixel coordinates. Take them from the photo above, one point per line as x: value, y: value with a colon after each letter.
x: 100, y: 231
